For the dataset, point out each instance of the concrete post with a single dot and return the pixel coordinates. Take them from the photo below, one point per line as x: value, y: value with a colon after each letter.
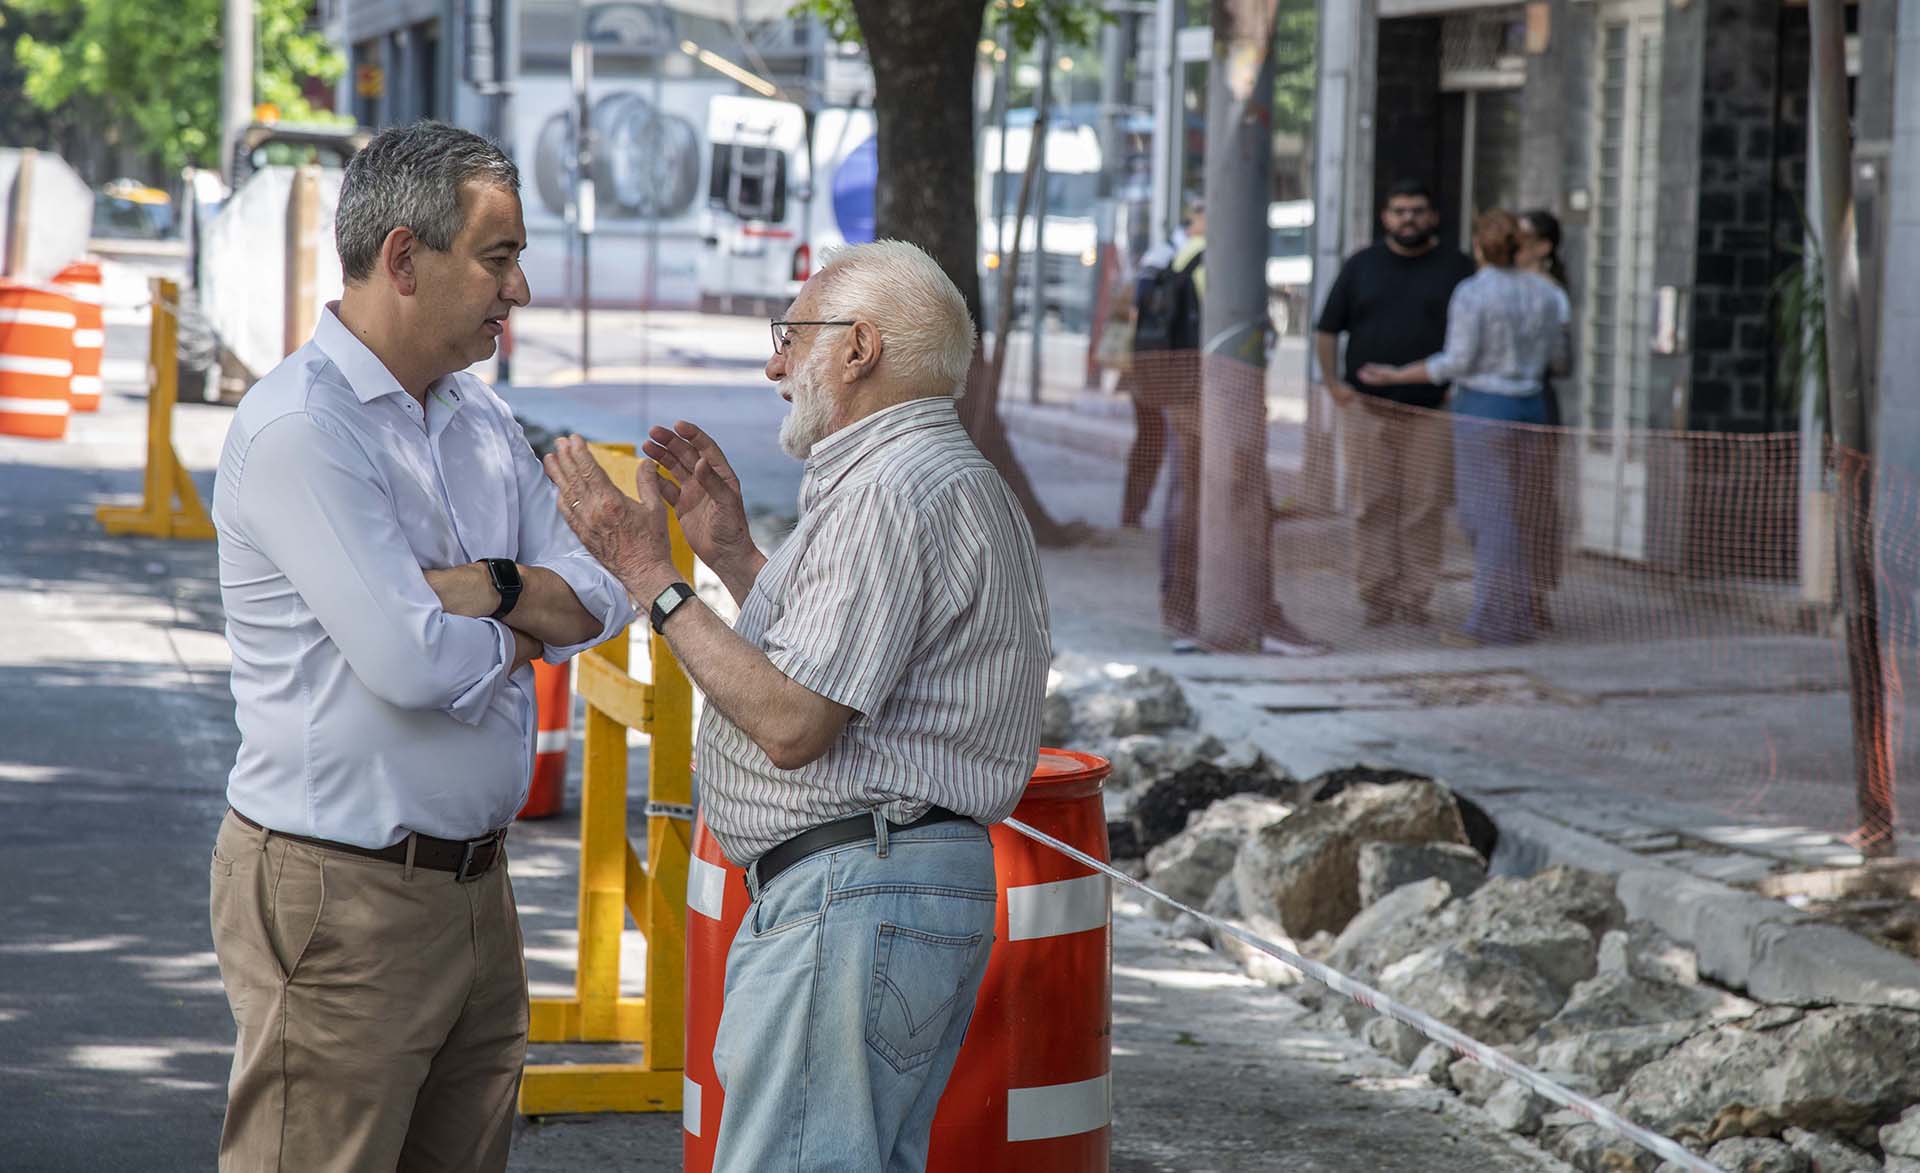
x: 301, y: 313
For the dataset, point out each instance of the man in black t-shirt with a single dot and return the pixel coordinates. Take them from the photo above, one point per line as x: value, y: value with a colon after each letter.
x: 1390, y: 300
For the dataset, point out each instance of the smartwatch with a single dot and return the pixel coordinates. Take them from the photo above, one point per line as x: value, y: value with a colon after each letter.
x: 667, y: 602
x: 505, y: 575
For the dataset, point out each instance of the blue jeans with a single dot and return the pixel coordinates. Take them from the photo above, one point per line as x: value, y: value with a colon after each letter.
x: 1489, y: 458
x: 849, y: 988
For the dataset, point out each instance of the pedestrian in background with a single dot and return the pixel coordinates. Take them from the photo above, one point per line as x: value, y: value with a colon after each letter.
x: 1505, y: 330
x: 1146, y: 383
x: 1390, y: 300
x: 1545, y: 523
x: 391, y: 560
x: 874, y: 708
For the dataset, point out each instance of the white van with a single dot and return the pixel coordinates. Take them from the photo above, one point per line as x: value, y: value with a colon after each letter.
x: 1289, y: 264
x: 766, y: 221
x: 1071, y: 247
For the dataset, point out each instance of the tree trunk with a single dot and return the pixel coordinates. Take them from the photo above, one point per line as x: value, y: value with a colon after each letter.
x: 1235, y: 522
x: 1852, y: 430
x: 922, y: 55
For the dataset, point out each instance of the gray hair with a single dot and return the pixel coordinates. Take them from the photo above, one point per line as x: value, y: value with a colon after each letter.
x: 922, y: 319
x: 410, y: 177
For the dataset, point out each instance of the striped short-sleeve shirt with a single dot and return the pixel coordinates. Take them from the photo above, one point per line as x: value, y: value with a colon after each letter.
x: 909, y: 592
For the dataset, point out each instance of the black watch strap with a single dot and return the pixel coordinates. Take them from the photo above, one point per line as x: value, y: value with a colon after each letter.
x: 667, y: 602
x: 504, y: 573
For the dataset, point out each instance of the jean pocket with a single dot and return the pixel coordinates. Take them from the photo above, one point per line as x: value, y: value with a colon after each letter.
x: 797, y: 897
x: 917, y: 980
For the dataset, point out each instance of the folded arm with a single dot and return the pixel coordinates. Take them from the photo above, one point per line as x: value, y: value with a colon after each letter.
x: 312, y: 503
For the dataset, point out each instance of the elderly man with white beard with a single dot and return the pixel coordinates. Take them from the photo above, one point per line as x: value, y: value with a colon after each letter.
x: 874, y: 709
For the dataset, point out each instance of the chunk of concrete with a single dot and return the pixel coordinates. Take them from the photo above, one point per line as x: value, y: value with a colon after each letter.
x: 1385, y: 867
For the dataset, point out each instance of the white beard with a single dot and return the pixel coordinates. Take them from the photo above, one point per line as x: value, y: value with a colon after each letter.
x: 811, y: 416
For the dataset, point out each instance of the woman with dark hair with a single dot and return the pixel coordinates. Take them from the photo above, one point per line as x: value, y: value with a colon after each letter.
x: 1505, y: 331
x: 1539, y: 252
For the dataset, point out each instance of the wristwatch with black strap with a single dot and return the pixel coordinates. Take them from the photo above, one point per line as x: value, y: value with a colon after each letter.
x: 505, y: 576
x: 667, y: 602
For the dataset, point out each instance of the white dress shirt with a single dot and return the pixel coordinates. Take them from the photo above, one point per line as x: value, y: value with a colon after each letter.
x: 366, y: 711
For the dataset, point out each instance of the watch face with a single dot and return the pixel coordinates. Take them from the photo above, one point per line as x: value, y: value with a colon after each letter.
x: 505, y: 574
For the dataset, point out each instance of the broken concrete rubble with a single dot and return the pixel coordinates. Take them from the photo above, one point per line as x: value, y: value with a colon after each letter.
x: 1387, y: 866
x: 1306, y: 868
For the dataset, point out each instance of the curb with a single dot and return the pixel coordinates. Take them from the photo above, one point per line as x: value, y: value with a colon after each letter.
x: 1773, y: 951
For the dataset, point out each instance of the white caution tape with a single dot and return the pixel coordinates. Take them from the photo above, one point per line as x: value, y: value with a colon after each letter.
x: 1434, y: 1029
x: 670, y: 810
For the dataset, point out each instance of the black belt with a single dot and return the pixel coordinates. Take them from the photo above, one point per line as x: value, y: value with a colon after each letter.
x: 467, y: 859
x: 839, y: 833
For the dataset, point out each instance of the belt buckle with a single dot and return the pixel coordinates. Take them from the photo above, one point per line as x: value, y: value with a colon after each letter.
x: 461, y: 875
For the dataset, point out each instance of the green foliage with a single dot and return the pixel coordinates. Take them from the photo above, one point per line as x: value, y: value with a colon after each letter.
x: 1074, y: 23
x: 154, y: 69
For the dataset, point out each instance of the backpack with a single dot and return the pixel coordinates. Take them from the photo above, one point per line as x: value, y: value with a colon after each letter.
x: 1169, y: 308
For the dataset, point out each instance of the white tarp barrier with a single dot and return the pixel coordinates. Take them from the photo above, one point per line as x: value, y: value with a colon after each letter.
x: 243, y: 265
x: 59, y: 214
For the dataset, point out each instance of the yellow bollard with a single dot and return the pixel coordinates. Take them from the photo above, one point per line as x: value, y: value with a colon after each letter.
x: 170, y: 506
x: 614, y: 884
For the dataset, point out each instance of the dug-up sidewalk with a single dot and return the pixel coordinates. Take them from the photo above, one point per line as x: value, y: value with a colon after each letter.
x: 116, y: 733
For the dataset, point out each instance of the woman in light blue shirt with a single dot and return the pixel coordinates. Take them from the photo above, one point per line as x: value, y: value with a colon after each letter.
x: 1505, y: 329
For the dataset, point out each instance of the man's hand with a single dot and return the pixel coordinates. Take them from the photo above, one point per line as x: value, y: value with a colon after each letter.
x: 707, y: 498
x: 627, y: 535
x: 465, y: 590
x: 1343, y: 394
x: 526, y: 649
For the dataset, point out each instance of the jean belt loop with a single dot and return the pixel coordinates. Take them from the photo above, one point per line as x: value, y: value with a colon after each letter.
x: 880, y: 831
x: 753, y: 881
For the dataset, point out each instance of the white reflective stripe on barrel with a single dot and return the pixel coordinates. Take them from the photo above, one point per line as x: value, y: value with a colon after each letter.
x: 21, y: 364
x: 87, y: 385
x: 1063, y: 1109
x: 89, y: 339
x: 34, y: 406
x: 1058, y: 908
x: 706, y: 888
x: 83, y: 291
x: 547, y: 740
x: 55, y: 318
x: 690, y: 1104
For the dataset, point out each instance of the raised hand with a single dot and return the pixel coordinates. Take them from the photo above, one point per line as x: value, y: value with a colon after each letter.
x: 708, y: 501
x: 627, y: 535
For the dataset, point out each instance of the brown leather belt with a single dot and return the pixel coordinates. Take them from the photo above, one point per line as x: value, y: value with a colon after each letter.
x: 467, y: 859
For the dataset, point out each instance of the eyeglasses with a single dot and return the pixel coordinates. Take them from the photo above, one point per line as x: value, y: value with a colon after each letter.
x: 783, y: 338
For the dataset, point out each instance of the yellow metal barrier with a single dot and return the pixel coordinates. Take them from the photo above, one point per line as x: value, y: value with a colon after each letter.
x: 170, y: 505
x: 614, y: 883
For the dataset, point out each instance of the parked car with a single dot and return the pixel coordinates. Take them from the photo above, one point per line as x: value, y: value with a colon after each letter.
x: 126, y: 210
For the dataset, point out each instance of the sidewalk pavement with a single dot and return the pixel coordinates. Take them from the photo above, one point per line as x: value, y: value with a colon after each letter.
x: 117, y: 735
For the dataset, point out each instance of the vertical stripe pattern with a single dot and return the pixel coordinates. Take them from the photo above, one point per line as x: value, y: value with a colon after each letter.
x: 909, y: 592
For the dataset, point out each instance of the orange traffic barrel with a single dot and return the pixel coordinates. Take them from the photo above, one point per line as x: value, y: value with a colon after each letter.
x: 554, y: 699
x: 81, y: 282
x: 1030, y: 1091
x: 36, y: 361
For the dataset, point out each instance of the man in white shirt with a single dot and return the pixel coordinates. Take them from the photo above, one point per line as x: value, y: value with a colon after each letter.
x: 391, y: 561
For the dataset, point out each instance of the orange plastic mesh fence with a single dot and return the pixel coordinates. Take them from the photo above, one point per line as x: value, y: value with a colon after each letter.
x: 1659, y: 609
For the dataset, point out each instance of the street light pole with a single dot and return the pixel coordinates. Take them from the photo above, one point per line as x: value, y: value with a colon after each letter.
x: 236, y: 80
x: 583, y: 194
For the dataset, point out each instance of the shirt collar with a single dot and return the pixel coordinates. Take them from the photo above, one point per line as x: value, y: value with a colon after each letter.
x: 366, y: 374
x: 835, y: 455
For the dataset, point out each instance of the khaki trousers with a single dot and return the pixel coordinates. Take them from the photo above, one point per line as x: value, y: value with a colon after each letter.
x: 382, y: 1011
x: 1402, y: 464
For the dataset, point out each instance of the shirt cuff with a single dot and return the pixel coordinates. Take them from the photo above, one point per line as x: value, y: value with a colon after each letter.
x: 603, y: 597
x: 470, y: 706
x: 1439, y: 370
